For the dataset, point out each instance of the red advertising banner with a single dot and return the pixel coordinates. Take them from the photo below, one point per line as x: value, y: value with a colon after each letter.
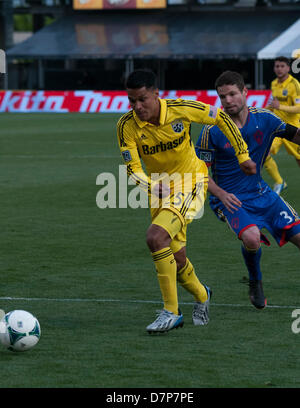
x: 102, y: 101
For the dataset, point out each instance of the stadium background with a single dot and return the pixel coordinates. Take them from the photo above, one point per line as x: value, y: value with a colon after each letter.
x: 67, y: 261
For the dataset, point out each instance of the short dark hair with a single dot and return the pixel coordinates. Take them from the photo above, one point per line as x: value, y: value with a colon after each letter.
x: 283, y: 59
x: 230, y: 78
x: 141, y: 78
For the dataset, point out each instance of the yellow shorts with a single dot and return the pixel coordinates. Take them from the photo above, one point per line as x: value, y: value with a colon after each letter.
x: 178, y: 210
x: 292, y: 148
x: 170, y: 221
x: 185, y: 195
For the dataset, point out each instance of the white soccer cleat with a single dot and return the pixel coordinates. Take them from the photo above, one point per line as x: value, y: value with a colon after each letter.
x: 165, y: 322
x: 200, y: 311
x: 278, y: 188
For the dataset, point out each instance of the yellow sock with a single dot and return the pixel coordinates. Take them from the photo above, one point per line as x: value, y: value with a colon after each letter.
x: 272, y: 169
x: 166, y: 273
x: 189, y: 281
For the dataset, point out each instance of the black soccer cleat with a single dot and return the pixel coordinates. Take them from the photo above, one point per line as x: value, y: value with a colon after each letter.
x: 256, y: 294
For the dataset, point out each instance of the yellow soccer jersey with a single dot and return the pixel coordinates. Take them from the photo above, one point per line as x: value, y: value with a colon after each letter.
x: 168, y: 147
x: 288, y: 94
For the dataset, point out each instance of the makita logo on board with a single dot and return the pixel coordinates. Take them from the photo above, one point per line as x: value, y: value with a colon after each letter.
x: 162, y: 147
x: 103, y: 101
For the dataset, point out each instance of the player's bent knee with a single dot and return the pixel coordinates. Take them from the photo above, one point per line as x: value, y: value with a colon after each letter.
x: 251, y: 238
x: 157, y: 238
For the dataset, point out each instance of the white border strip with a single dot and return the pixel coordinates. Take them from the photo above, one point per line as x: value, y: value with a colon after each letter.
x: 271, y: 50
x: 81, y: 300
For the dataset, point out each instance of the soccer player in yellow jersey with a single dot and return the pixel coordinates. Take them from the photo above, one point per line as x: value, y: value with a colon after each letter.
x: 285, y: 104
x: 158, y: 132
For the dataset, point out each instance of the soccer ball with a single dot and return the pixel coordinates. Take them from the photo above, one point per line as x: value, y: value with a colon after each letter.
x: 19, y: 330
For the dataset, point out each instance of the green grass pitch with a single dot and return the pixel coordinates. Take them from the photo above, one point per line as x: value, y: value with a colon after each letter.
x: 87, y: 275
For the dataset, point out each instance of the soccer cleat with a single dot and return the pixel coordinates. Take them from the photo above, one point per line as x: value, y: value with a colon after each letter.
x: 278, y: 188
x: 165, y: 322
x: 200, y: 311
x: 256, y: 294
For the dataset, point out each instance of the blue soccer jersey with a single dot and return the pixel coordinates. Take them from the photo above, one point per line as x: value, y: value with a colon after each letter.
x: 261, y: 128
x: 260, y: 205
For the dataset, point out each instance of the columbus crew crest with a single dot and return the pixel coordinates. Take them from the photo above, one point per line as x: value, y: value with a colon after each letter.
x: 177, y: 126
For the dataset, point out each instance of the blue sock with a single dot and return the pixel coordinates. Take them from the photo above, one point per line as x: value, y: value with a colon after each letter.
x: 252, y: 261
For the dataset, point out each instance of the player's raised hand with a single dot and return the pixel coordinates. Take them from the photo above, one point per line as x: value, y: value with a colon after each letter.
x: 248, y: 167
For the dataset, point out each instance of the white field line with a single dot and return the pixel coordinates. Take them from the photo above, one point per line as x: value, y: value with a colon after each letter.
x: 82, y: 300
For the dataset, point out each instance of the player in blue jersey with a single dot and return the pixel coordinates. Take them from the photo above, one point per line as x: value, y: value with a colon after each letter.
x: 247, y: 203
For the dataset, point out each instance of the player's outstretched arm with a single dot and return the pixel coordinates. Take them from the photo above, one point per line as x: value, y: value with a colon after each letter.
x: 230, y: 201
x: 206, y: 114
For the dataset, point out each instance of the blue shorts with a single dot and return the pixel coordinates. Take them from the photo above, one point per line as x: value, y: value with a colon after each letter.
x: 267, y: 210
